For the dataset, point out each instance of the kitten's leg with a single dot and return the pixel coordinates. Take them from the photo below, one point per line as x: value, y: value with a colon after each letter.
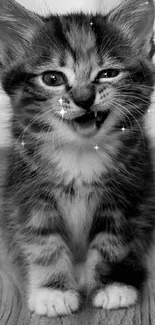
x: 51, y: 287
x: 113, y: 283
x: 119, y: 284
x: 115, y: 273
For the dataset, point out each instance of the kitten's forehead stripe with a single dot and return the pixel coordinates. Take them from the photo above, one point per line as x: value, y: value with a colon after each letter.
x: 60, y: 34
x: 80, y: 37
x: 81, y: 41
x: 83, y: 58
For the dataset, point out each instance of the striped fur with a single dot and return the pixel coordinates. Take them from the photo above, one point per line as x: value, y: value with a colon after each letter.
x: 80, y: 218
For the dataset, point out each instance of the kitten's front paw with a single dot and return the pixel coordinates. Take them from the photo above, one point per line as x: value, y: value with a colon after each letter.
x: 115, y: 296
x: 53, y: 302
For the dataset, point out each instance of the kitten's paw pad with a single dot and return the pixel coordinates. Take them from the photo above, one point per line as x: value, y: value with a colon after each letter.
x: 53, y: 302
x: 115, y: 296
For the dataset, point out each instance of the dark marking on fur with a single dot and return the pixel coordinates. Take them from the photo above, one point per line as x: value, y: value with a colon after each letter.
x: 58, y: 281
x: 50, y: 258
x: 130, y: 272
x: 38, y: 126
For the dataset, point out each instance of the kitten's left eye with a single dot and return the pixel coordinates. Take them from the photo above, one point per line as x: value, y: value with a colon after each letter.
x: 107, y: 74
x: 54, y: 78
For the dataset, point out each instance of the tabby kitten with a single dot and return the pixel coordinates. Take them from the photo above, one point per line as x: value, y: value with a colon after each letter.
x: 79, y: 197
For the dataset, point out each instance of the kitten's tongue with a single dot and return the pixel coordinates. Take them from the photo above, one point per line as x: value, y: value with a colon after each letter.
x: 86, y: 124
x: 89, y: 123
x: 87, y: 128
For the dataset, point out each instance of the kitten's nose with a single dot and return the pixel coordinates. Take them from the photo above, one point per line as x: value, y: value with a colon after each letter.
x: 84, y: 97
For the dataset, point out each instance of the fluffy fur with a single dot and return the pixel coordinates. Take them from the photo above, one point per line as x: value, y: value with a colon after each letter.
x: 78, y: 205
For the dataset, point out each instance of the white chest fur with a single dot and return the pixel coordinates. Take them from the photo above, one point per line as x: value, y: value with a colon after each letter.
x: 82, y: 166
x: 78, y: 212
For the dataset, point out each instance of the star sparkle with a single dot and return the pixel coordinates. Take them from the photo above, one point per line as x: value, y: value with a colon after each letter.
x: 23, y: 143
x: 123, y: 129
x: 62, y: 112
x: 96, y: 147
x: 60, y: 101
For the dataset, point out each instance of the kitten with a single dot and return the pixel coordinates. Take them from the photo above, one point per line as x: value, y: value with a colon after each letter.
x: 79, y: 196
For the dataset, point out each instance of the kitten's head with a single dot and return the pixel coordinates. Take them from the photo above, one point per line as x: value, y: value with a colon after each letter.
x: 77, y: 77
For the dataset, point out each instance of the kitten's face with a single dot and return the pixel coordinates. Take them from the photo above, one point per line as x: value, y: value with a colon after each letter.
x: 80, y: 79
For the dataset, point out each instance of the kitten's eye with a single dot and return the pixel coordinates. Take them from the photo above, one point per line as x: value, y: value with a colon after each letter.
x: 107, y: 74
x: 54, y: 78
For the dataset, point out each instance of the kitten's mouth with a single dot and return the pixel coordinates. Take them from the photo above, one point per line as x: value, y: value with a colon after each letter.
x: 89, y: 123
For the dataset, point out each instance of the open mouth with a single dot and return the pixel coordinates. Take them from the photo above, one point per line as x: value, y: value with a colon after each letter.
x: 90, y: 123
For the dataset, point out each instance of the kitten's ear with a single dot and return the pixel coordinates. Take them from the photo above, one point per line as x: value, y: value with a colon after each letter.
x: 17, y: 27
x: 136, y: 19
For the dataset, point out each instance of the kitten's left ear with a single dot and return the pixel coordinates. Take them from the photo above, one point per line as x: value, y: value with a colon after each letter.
x: 17, y: 27
x: 136, y: 19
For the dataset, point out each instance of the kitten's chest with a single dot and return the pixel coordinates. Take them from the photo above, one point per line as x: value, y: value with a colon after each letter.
x: 82, y: 165
x: 78, y: 212
x: 83, y: 169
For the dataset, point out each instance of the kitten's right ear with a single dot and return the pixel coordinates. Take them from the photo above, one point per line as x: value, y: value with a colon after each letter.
x: 136, y: 19
x: 17, y: 27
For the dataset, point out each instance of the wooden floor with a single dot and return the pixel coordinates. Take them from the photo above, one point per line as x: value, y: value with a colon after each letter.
x: 13, y: 311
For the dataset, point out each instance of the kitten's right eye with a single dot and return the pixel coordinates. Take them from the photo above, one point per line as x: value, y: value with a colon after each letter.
x: 107, y: 74
x: 54, y: 78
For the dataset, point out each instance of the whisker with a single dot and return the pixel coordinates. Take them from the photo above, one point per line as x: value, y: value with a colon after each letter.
x: 142, y: 132
x: 128, y: 95
x: 139, y: 85
x: 123, y: 115
x: 143, y: 115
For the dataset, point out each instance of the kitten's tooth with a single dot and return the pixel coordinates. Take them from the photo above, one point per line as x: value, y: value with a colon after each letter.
x: 95, y: 114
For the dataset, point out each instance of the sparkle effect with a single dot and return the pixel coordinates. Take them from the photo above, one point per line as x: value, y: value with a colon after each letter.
x: 23, y: 143
x: 62, y: 112
x: 123, y: 129
x: 60, y: 101
x: 96, y: 147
